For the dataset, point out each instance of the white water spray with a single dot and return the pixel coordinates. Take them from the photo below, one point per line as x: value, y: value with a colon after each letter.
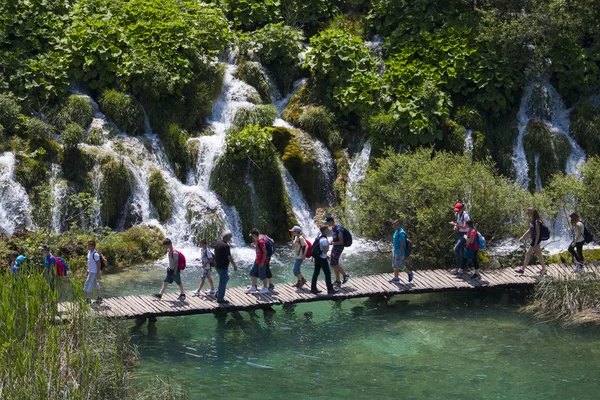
x: 15, y: 209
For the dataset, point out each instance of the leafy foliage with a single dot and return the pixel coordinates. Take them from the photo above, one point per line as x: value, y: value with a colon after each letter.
x: 9, y: 112
x: 251, y: 73
x: 251, y: 143
x: 114, y: 191
x: 249, y: 15
x: 261, y: 116
x: 160, y: 197
x: 72, y: 136
x: 75, y: 109
x: 123, y: 110
x: 585, y: 126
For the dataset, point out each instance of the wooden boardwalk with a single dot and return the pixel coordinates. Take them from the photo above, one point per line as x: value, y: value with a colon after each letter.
x: 426, y: 281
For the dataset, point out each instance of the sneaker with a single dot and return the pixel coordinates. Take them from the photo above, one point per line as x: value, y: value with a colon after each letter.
x: 182, y: 297
x: 394, y: 280
x: 346, y: 278
x: 210, y: 292
x: 476, y: 276
x: 454, y: 271
x: 196, y: 292
x: 411, y: 276
x: 297, y: 284
x: 520, y: 271
x: 157, y: 295
x: 338, y: 283
x: 264, y: 291
x: 579, y: 267
x: 251, y: 290
x: 88, y: 301
x: 271, y: 286
x: 317, y: 291
x: 99, y: 300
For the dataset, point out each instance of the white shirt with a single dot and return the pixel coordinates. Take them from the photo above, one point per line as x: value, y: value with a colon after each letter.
x: 92, y: 257
x: 461, y: 219
x: 581, y: 227
x: 206, y: 255
x: 323, y: 242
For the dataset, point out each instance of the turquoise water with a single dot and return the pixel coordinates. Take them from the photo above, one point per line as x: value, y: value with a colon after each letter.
x: 437, y: 346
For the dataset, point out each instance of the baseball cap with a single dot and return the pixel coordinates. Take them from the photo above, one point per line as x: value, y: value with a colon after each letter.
x: 458, y: 207
x: 296, y: 228
x: 328, y: 219
x: 45, y: 248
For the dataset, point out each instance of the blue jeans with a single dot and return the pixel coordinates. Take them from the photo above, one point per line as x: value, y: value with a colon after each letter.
x: 223, y: 279
x: 459, y: 249
x: 297, y: 264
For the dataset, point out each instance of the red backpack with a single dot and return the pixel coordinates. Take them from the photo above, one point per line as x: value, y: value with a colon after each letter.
x: 307, y: 249
x: 181, y: 260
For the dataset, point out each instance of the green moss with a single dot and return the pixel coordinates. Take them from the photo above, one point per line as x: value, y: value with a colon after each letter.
x: 554, y: 150
x: 123, y: 110
x: 95, y: 137
x: 114, y: 191
x: 30, y: 172
x: 470, y: 118
x: 138, y: 245
x: 174, y: 139
x: 383, y: 132
x: 75, y: 109
x: 298, y: 103
x: 204, y: 224
x: 318, y: 121
x: 585, y: 126
x: 453, y: 139
x: 72, y: 135
x: 262, y: 116
x: 481, y: 148
x: 160, y: 197
x: 37, y: 129
x: 76, y: 165
x: 251, y: 73
x: 9, y: 112
x: 281, y: 138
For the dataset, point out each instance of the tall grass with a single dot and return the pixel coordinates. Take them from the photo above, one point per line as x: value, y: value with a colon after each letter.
x: 53, y: 354
x: 567, y: 297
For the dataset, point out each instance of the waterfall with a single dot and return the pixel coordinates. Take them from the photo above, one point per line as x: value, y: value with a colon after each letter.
x: 15, y: 209
x: 376, y: 47
x: 358, y: 169
x: 538, y: 178
x: 553, y: 113
x: 468, y: 141
x: 59, y: 195
x: 301, y: 209
x: 324, y: 158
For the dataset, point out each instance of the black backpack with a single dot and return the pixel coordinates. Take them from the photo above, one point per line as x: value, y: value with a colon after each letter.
x: 409, y: 247
x: 347, y: 237
x: 102, y: 260
x: 544, y: 232
x: 587, y: 235
x: 316, y: 252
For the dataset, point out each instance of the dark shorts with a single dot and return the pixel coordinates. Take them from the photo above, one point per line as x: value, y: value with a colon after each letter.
x: 336, y: 252
x: 173, y: 277
x: 268, y: 266
x: 258, y: 272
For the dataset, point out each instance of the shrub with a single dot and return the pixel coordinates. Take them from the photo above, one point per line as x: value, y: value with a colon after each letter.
x: 95, y: 137
x: 383, y: 132
x: 114, y: 192
x: 261, y: 116
x: 137, y: 245
x: 9, y: 112
x: 160, y: 197
x: 318, y: 121
x: 420, y: 189
x: 77, y: 109
x: 123, y: 110
x: 251, y: 73
x: 37, y: 129
x: 585, y: 126
x: 175, y: 142
x: 249, y: 15
x: 72, y: 136
x: 251, y: 143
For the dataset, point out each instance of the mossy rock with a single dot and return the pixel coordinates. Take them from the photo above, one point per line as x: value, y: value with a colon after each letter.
x: 205, y: 224
x: 261, y: 115
x: 256, y: 191
x: 30, y: 172
x: 585, y: 126
x: 298, y: 103
x: 123, y: 110
x: 469, y: 118
x: 115, y: 189
x: 251, y: 73
x: 553, y: 149
x: 75, y: 109
x: 160, y: 196
x: 174, y: 140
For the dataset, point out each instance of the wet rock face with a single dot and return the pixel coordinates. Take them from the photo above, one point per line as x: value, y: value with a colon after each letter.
x: 115, y: 190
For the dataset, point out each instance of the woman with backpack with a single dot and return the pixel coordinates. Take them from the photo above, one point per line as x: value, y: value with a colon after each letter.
x: 535, y: 232
x: 471, y: 251
x: 299, y: 251
x: 578, y: 240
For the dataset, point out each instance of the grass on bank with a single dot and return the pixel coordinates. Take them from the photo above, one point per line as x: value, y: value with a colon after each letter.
x: 44, y: 354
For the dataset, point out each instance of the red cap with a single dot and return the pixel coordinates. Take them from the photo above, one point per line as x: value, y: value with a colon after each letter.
x: 458, y: 207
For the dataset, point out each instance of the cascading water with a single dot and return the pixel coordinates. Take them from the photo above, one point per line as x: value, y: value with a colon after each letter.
x: 538, y: 178
x: 358, y: 170
x: 15, y: 209
x: 468, y: 141
x: 301, y: 209
x: 376, y: 48
x: 59, y: 195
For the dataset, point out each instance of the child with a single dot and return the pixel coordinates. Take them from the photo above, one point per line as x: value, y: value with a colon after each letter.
x: 92, y: 283
x: 173, y: 271
x: 207, y: 260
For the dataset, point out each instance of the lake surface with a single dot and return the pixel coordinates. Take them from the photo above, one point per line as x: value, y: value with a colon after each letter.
x: 433, y: 346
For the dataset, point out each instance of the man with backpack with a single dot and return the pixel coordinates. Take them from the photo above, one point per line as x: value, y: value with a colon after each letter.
x: 300, y: 249
x: 259, y: 269
x: 400, y: 253
x: 94, y: 267
x: 222, y: 260
x: 319, y: 254
x: 177, y: 264
x: 341, y: 238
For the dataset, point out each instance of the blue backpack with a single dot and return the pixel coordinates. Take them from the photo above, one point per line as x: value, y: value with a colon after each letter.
x: 480, y: 241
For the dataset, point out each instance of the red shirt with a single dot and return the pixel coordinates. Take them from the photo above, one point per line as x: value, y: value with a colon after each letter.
x: 475, y: 245
x: 261, y: 251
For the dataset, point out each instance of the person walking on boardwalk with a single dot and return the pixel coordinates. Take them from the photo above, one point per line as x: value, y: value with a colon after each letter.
x: 270, y: 247
x: 471, y: 251
x: 176, y: 261
x: 299, y: 252
x: 259, y: 269
x: 337, y: 241
x: 460, y: 227
x: 94, y: 270
x: 319, y: 254
x: 222, y: 260
x: 207, y: 260
x: 578, y: 240
x: 536, y: 226
x: 399, y: 253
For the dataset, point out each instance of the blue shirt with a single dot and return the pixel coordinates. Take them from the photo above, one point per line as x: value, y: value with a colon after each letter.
x: 399, y: 238
x: 50, y: 261
x: 337, y: 234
